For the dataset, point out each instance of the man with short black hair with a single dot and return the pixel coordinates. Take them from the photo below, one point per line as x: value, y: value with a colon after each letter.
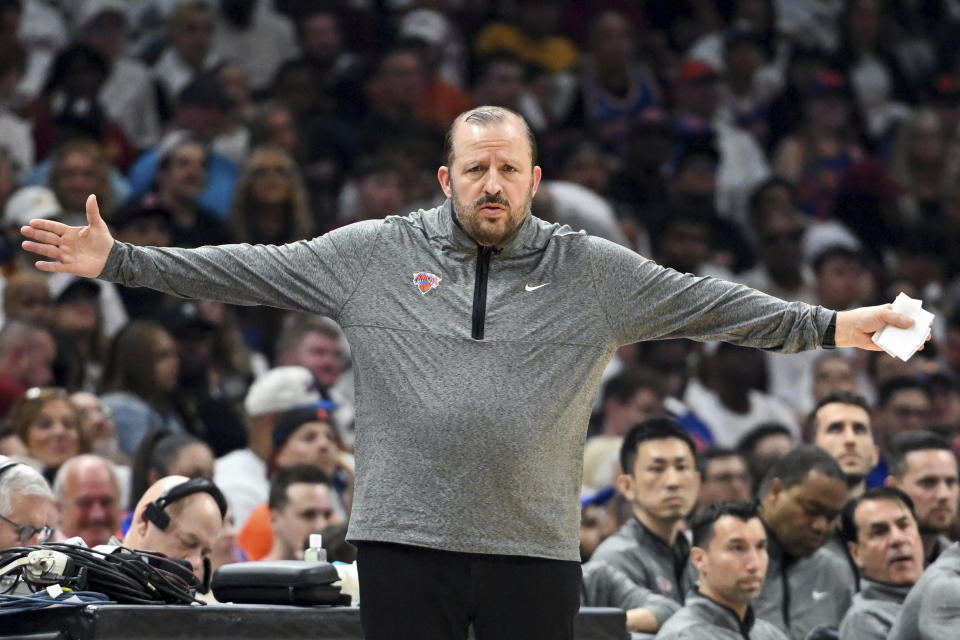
x: 806, y: 585
x: 724, y: 477
x: 924, y: 466
x: 300, y: 503
x: 661, y: 481
x: 881, y: 533
x: 840, y: 425
x: 903, y: 404
x: 730, y: 554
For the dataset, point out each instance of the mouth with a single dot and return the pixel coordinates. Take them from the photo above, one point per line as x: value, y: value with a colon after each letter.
x: 492, y: 210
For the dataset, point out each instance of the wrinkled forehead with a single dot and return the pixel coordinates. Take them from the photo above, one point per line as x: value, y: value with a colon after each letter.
x: 728, y: 528
x: 878, y: 511
x: 507, y: 135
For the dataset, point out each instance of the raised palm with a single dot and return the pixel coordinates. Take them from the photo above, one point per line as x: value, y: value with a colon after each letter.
x: 79, y: 250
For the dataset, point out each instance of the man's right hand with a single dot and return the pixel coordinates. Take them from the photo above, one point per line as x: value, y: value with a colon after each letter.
x: 79, y: 250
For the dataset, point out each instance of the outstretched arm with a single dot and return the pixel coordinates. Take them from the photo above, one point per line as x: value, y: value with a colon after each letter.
x: 79, y: 250
x: 317, y: 276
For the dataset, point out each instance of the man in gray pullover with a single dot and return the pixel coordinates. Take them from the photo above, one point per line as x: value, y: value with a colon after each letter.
x: 806, y: 585
x: 661, y: 481
x: 730, y: 554
x: 931, y: 611
x: 881, y: 532
x: 479, y: 334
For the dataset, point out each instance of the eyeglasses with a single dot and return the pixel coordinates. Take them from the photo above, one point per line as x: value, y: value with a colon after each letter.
x: 26, y: 531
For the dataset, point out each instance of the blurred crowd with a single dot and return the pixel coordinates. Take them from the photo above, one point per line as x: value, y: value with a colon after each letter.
x: 807, y: 148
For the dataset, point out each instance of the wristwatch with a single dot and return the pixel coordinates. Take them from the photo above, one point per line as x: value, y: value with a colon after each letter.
x: 829, y: 339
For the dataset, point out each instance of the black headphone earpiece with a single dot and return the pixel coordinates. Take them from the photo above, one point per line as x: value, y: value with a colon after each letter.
x: 156, y: 510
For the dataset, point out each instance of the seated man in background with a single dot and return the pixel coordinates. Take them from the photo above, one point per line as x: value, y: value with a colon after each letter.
x: 884, y: 542
x: 301, y: 503
x: 180, y: 518
x: 930, y: 610
x: 806, y: 585
x: 724, y: 477
x: 661, y: 481
x: 88, y: 495
x: 730, y: 554
x: 924, y: 467
x: 26, y: 505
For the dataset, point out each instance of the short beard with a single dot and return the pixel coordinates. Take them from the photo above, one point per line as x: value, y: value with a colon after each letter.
x: 475, y: 230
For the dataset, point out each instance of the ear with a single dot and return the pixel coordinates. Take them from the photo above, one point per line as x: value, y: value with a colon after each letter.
x: 854, y: 550
x: 537, y: 174
x: 890, y: 481
x: 698, y: 557
x: 443, y: 175
x: 625, y: 486
x: 140, y: 524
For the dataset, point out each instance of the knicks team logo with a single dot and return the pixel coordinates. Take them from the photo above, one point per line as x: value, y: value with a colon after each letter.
x: 665, y: 587
x: 425, y: 281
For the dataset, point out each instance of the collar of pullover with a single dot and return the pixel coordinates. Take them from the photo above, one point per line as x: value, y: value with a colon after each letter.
x: 447, y: 229
x: 721, y: 615
x: 877, y: 590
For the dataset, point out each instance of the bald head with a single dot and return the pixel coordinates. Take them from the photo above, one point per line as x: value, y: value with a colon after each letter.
x: 195, y: 523
x: 87, y: 491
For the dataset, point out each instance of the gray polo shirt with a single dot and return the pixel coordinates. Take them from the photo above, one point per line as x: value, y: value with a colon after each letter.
x: 702, y: 618
x: 874, y: 610
x: 931, y: 611
x: 475, y: 368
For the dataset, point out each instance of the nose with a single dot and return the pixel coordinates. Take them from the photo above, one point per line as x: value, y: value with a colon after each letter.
x: 491, y: 185
x: 671, y: 477
x: 820, y: 524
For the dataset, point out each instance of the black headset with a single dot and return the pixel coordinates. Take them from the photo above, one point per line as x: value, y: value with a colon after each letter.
x: 156, y: 510
x: 8, y: 464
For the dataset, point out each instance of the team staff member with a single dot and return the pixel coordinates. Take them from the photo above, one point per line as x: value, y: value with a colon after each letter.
x: 881, y: 532
x: 479, y: 333
x: 730, y: 554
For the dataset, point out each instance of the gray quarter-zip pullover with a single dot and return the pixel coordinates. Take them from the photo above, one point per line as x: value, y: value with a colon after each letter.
x: 931, y: 611
x: 475, y: 369
x: 605, y: 586
x: 800, y: 594
x: 648, y: 560
x: 703, y: 618
x: 874, y: 610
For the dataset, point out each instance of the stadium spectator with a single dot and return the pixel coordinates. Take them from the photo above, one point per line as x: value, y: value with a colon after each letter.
x: 301, y: 503
x: 47, y: 423
x: 840, y: 425
x: 924, y: 466
x: 161, y: 454
x: 89, y: 499
x: 724, y: 477
x: 26, y: 505
x: 762, y: 447
x: 190, y: 32
x: 242, y: 474
x: 903, y: 404
x: 26, y: 359
x: 138, y: 380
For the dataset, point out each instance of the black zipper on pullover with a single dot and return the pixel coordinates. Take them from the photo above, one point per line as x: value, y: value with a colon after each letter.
x: 480, y: 291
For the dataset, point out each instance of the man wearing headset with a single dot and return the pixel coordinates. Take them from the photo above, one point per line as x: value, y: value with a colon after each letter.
x: 180, y: 518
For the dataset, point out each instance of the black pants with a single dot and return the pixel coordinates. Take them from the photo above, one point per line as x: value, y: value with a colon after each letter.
x: 423, y: 594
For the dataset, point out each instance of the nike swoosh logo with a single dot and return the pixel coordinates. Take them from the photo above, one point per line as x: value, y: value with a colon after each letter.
x: 530, y: 288
x: 819, y: 595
